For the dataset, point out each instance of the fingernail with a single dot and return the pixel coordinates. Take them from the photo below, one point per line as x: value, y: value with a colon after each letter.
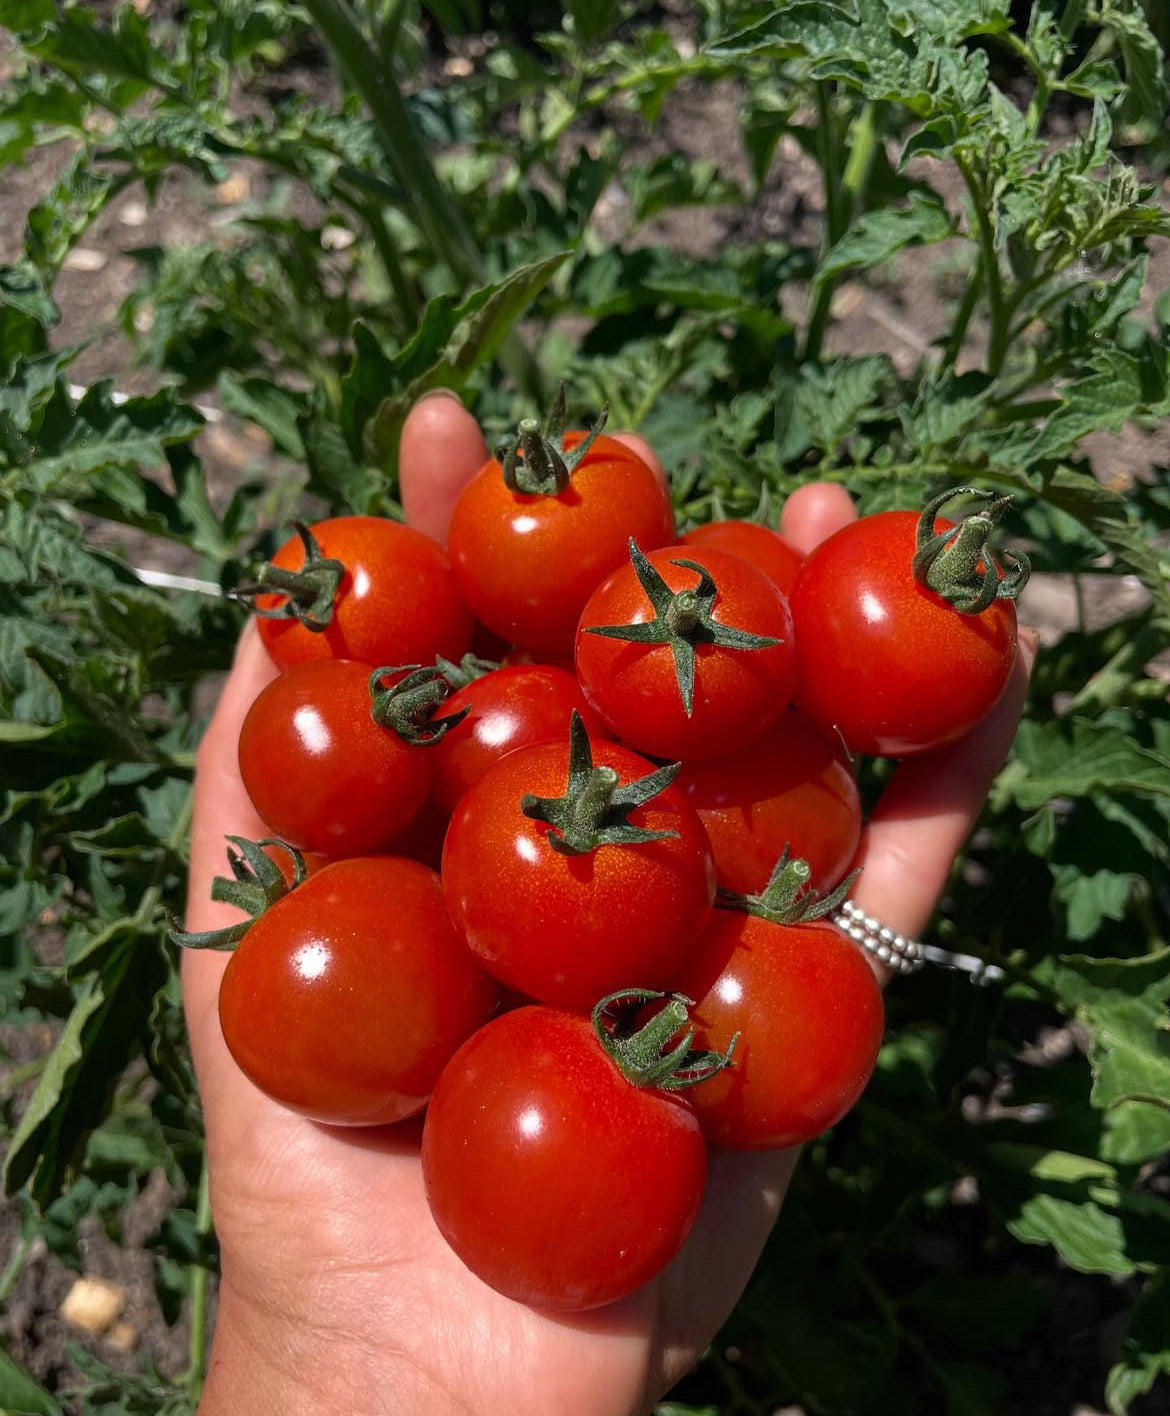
x: 439, y: 393
x: 1028, y: 638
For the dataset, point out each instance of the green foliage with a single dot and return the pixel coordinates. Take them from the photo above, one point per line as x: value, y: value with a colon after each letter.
x: 395, y: 242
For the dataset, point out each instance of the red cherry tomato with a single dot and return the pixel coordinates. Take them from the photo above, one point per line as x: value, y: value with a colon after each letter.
x: 526, y: 564
x: 397, y: 602
x: 510, y: 707
x: 809, y: 1013
x: 347, y: 997
x: 321, y: 773
x: 554, y: 1179
x: 885, y: 665
x: 738, y: 693
x: 792, y: 787
x: 766, y: 549
x: 283, y: 860
x: 570, y: 929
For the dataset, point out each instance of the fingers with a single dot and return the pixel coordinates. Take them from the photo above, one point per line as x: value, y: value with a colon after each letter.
x: 221, y: 808
x: 928, y: 809
x: 813, y: 512
x: 442, y: 448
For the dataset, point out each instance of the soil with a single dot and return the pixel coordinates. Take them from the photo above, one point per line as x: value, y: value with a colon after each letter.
x: 899, y: 316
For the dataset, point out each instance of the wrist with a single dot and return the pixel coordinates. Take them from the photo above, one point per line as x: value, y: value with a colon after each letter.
x: 263, y: 1361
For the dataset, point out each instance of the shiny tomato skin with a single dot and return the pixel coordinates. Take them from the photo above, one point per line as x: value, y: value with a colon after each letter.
x: 764, y: 548
x: 510, y: 707
x: 345, y: 1000
x: 397, y: 602
x: 792, y: 787
x: 887, y: 666
x: 563, y: 929
x: 809, y: 1013
x: 527, y: 564
x: 320, y: 772
x: 739, y: 693
x: 555, y: 1180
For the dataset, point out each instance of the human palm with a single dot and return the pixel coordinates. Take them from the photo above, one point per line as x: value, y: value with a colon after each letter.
x: 338, y: 1291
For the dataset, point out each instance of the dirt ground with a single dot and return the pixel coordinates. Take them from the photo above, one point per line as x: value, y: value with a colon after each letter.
x: 899, y: 317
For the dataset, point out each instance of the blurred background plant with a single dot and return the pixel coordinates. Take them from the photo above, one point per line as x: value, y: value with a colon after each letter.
x: 895, y: 243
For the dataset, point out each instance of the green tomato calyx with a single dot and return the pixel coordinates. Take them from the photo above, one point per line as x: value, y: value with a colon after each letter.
x: 682, y: 619
x: 648, y: 1056
x: 958, y: 564
x: 535, y: 462
x: 788, y: 898
x: 310, y: 592
x: 256, y: 884
x: 595, y: 808
x: 466, y: 671
x: 408, y: 706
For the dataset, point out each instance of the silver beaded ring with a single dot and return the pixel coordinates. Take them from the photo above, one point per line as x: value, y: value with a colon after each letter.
x: 893, y: 949
x: 905, y: 955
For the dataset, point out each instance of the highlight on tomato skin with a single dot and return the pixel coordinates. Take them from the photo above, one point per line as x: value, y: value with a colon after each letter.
x: 396, y: 603
x: 320, y: 772
x: 884, y: 664
x: 347, y: 997
x: 809, y: 1014
x: 526, y: 564
x: 636, y: 684
x: 792, y: 787
x: 585, y: 1186
x: 514, y: 706
x: 570, y: 928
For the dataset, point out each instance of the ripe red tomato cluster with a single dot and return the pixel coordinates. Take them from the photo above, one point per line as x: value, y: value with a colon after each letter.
x: 573, y: 904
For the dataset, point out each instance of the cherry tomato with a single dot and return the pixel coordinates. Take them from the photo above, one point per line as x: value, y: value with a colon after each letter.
x: 347, y: 997
x: 396, y: 603
x: 570, y: 929
x: 792, y: 787
x: 526, y: 564
x: 885, y: 665
x: 738, y: 692
x: 283, y: 861
x: 321, y: 773
x: 510, y: 707
x: 809, y: 1014
x: 554, y: 1179
x: 766, y: 549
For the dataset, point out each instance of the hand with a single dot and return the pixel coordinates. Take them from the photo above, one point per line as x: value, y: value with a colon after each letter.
x: 338, y: 1293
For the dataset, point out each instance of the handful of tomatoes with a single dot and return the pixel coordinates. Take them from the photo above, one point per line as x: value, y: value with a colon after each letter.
x: 572, y: 901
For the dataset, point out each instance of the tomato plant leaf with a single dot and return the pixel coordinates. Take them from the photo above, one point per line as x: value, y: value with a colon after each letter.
x: 19, y: 1393
x: 452, y: 342
x: 877, y: 235
x: 1058, y: 759
x: 1145, y: 1353
x: 1123, y: 1005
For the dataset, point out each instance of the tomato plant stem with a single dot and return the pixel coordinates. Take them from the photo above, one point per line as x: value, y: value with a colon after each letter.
x: 841, y: 200
x: 197, y: 1345
x: 958, y: 332
x: 981, y: 215
x: 440, y: 219
x: 370, y: 213
x: 1071, y: 18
